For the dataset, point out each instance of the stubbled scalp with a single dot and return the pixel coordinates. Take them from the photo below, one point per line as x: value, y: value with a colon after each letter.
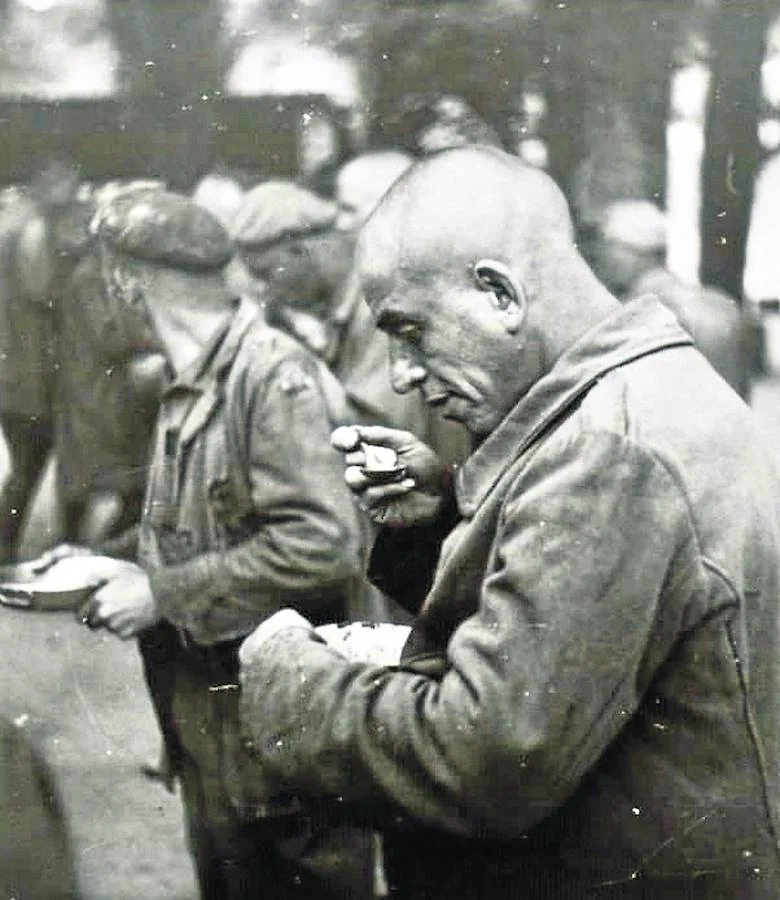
x: 462, y: 205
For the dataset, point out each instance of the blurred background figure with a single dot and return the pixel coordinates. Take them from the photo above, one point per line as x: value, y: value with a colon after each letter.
x: 443, y: 121
x: 34, y: 264
x: 362, y: 182
x: 627, y: 249
x: 222, y: 194
x: 286, y: 236
x: 296, y: 262
x: 109, y: 378
x: 288, y: 242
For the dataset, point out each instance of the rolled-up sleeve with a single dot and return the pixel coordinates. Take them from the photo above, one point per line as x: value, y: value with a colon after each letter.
x: 305, y: 539
x: 539, y: 680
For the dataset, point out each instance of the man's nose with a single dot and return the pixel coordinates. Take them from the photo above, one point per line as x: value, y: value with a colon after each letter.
x: 406, y: 372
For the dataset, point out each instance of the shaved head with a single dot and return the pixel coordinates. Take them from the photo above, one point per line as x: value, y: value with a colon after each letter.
x: 469, y: 264
x: 466, y: 204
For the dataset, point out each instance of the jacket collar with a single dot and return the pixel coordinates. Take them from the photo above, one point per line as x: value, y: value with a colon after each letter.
x: 639, y: 327
x: 205, y: 381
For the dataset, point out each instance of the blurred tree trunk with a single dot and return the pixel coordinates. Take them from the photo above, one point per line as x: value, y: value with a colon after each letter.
x: 174, y: 58
x: 737, y: 32
x: 613, y: 98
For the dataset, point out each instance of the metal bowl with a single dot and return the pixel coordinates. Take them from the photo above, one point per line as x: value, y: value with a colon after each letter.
x: 22, y: 587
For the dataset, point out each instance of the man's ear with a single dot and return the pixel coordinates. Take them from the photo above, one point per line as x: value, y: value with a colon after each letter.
x: 508, y: 290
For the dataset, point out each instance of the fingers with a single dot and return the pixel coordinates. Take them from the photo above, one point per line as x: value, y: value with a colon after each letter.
x: 394, y: 438
x: 355, y: 478
x: 279, y: 621
x: 90, y: 614
x: 345, y: 438
x: 123, y: 626
x: 57, y: 554
x: 381, y: 494
x: 121, y: 623
x: 356, y: 457
x: 348, y: 437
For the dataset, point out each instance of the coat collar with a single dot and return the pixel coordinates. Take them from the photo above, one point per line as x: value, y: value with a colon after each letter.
x: 204, y: 381
x: 640, y: 327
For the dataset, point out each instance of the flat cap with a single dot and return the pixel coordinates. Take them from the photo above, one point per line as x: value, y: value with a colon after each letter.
x: 160, y: 226
x: 276, y: 210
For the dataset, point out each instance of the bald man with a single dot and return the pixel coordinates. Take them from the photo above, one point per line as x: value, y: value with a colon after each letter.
x: 587, y: 702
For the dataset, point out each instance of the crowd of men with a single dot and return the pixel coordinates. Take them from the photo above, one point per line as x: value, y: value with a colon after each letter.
x: 580, y: 526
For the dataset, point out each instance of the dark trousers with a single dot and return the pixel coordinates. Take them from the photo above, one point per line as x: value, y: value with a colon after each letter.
x: 30, y: 441
x: 238, y: 857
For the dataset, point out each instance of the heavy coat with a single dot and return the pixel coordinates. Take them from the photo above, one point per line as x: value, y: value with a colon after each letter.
x: 588, y: 702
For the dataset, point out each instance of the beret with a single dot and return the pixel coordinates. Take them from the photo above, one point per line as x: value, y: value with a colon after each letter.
x: 276, y: 210
x: 160, y: 226
x: 363, y: 181
x: 634, y: 223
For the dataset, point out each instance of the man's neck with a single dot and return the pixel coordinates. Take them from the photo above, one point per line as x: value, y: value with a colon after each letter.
x: 185, y: 334
x: 578, y: 302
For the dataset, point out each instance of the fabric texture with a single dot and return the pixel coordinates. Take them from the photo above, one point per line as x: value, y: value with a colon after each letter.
x: 276, y: 210
x: 246, y: 511
x: 160, y: 226
x: 27, y: 341
x: 587, y: 704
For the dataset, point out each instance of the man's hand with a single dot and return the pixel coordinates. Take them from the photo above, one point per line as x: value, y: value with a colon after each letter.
x: 279, y: 621
x: 415, y: 499
x: 124, y: 605
x: 55, y: 554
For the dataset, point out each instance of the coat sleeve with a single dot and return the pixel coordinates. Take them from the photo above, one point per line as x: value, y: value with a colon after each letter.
x: 539, y: 681
x: 305, y: 543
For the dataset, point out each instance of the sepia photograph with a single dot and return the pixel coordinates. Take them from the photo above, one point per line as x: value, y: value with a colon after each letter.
x: 389, y: 450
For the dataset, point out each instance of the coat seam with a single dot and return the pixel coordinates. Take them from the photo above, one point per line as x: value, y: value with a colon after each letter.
x: 752, y: 731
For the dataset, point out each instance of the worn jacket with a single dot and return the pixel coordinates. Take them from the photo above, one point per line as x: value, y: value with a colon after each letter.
x: 246, y: 510
x: 588, y: 703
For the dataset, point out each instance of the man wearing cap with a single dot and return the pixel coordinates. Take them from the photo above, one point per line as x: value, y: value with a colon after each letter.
x: 628, y: 252
x: 587, y: 705
x: 288, y: 244
x: 245, y: 511
x: 286, y: 237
